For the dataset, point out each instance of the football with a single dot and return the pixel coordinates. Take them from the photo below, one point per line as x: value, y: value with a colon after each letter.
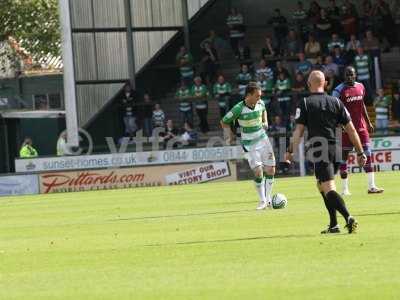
x: 279, y: 201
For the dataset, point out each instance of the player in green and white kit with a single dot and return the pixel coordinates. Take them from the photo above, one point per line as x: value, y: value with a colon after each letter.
x: 252, y: 118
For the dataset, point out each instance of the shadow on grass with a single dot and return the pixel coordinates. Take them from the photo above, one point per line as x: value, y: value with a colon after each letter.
x: 379, y: 214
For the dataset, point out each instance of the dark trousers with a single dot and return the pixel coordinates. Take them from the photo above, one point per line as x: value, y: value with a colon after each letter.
x: 202, y: 113
x: 235, y: 45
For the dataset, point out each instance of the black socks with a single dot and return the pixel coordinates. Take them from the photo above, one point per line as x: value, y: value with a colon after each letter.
x: 334, y: 199
x: 330, y: 206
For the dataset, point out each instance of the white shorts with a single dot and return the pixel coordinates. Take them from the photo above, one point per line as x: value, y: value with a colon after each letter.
x: 261, y: 155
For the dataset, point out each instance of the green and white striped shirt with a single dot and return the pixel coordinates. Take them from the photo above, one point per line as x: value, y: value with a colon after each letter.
x: 382, y: 105
x: 200, y: 91
x: 250, y: 122
x: 362, y: 63
x: 223, y: 90
x: 182, y: 95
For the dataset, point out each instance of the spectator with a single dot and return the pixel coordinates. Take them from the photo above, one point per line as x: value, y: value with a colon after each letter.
x: 200, y: 94
x: 330, y: 65
x: 280, y: 27
x: 367, y: 15
x: 298, y: 88
x: 335, y: 41
x: 170, y: 133
x: 313, y: 12
x: 273, y: 109
x: 245, y: 55
x: 371, y: 44
x: 184, y: 61
x: 158, y: 117
x: 324, y: 26
x: 27, y: 150
x: 396, y: 103
x: 382, y: 108
x: 183, y: 95
x: 339, y: 58
x: 129, y: 112
x: 299, y: 17
x: 351, y: 48
x: 283, y: 88
x: 62, y: 145
x: 293, y: 44
x: 386, y: 23
x: 269, y: 49
x: 264, y: 70
x: 332, y: 81
x: 312, y: 49
x: 362, y: 63
x: 319, y: 64
x: 147, y: 115
x: 243, y: 78
x: 209, y: 63
x: 236, y: 26
x: 303, y: 66
x: 349, y: 22
x: 215, y: 41
x: 334, y: 14
x: 267, y: 87
x: 190, y: 137
x: 222, y: 92
x: 279, y: 68
x: 350, y: 7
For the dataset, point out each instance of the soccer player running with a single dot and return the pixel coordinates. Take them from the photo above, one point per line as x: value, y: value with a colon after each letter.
x: 352, y: 94
x: 252, y: 118
x: 322, y: 114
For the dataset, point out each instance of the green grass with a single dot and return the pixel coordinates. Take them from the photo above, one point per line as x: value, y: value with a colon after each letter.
x: 199, y: 242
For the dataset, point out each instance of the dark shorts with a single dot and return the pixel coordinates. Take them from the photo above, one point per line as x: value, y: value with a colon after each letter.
x: 364, y: 138
x: 325, y: 169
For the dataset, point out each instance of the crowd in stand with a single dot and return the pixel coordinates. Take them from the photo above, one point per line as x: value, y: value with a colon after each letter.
x: 308, y: 38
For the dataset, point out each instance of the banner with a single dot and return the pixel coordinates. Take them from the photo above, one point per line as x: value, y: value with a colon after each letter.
x: 128, y: 159
x: 89, y: 180
x: 382, y: 160
x: 19, y: 185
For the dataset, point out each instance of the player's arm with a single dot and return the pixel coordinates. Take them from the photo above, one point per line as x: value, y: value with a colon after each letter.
x: 355, y: 140
x: 369, y: 124
x: 294, y: 144
x: 265, y: 119
x: 226, y: 122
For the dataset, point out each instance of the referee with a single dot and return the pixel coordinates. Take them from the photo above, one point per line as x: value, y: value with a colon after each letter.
x: 322, y: 114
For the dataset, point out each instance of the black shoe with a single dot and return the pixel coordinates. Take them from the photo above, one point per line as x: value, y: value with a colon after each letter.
x: 334, y: 229
x: 352, y: 225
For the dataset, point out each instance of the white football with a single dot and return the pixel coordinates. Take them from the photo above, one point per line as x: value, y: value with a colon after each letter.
x: 279, y: 201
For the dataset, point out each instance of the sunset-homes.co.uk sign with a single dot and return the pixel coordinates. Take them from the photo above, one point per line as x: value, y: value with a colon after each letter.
x: 88, y: 180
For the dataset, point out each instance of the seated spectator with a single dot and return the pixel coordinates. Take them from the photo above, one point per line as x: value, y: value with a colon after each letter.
x: 332, y: 81
x: 293, y: 44
x: 184, y: 60
x: 222, y: 91
x: 263, y: 69
x: 324, y: 26
x: 351, y: 48
x: 269, y: 49
x: 313, y: 12
x: 283, y: 89
x: 209, y: 63
x: 319, y: 64
x: 299, y: 88
x: 267, y: 87
x: 200, y: 94
x: 339, y: 58
x: 335, y: 41
x: 363, y: 67
x: 303, y: 66
x: 349, y: 21
x: 279, y: 68
x: 312, y: 49
x: 330, y: 65
x: 242, y: 79
x: 170, y: 133
x: 236, y: 26
x: 27, y: 150
x: 189, y: 138
x: 371, y: 44
x: 280, y: 27
x: 146, y: 115
x: 382, y: 107
x: 158, y: 118
x: 183, y: 95
x: 62, y: 145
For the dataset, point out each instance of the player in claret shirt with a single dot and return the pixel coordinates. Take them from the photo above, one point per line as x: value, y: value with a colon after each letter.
x: 352, y: 94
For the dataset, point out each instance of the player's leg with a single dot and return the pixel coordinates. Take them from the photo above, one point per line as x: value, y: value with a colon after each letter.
x: 343, y: 171
x: 333, y: 226
x: 269, y: 163
x: 255, y: 163
x: 372, y: 188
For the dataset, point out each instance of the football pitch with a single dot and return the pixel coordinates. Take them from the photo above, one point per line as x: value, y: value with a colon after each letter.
x: 202, y: 241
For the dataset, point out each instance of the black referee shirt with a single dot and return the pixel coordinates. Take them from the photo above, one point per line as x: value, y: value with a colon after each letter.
x: 322, y: 114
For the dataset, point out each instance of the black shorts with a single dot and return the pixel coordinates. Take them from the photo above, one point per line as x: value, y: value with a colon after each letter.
x: 327, y: 167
